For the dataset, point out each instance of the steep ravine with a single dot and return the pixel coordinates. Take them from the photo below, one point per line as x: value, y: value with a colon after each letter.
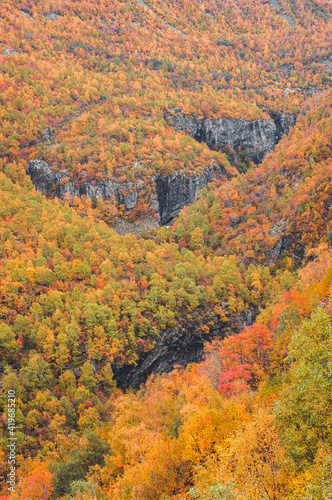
x: 176, y: 346
x: 171, y: 193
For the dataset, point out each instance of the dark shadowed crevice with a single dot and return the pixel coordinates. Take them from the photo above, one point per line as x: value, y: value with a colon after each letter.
x: 178, y: 346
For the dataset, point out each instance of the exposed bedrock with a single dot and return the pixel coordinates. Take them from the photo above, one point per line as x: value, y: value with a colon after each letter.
x: 256, y: 138
x: 55, y: 183
x: 177, y: 346
x: 178, y: 190
x: 170, y: 195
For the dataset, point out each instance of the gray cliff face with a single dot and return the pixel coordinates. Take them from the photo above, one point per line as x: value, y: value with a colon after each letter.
x: 171, y: 193
x: 52, y: 183
x: 256, y: 138
x: 178, y: 190
x: 283, y: 123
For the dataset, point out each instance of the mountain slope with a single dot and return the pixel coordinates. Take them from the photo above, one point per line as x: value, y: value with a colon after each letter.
x: 120, y: 109
x: 88, y: 85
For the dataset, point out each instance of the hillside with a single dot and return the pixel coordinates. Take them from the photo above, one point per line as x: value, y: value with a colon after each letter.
x: 91, y: 90
x: 165, y: 249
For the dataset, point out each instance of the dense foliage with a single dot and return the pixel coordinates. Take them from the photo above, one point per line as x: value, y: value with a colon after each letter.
x: 86, y: 86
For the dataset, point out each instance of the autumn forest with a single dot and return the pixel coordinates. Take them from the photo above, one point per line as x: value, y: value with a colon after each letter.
x: 165, y: 250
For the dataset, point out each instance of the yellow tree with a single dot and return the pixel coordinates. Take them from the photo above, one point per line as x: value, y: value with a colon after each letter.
x: 255, y: 459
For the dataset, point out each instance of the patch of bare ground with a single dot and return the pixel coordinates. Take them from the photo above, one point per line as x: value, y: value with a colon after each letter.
x: 145, y: 224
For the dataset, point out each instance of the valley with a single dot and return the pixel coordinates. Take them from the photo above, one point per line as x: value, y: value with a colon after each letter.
x: 165, y: 250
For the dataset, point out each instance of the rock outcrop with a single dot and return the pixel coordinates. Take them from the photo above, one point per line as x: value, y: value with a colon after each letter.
x: 255, y: 138
x: 178, y: 190
x: 170, y: 195
x: 276, y: 5
x: 58, y: 183
x: 177, y: 346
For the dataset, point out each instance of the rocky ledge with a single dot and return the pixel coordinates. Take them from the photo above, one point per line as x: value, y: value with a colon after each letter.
x: 169, y: 196
x: 178, y: 190
x: 59, y: 183
x: 255, y: 138
x: 178, y: 346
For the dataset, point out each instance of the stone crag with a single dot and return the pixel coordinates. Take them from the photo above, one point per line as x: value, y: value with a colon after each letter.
x: 178, y: 190
x: 177, y: 346
x: 55, y: 183
x: 255, y: 138
x: 170, y: 195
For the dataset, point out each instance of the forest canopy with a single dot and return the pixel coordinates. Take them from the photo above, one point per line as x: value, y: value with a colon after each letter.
x: 93, y: 323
